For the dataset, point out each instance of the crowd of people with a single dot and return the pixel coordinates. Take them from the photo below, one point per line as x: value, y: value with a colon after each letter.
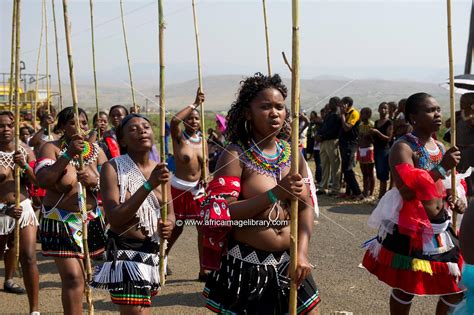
x: 244, y: 266
x: 341, y: 136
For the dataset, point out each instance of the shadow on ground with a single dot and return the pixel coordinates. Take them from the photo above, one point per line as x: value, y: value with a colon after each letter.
x: 351, y: 209
x: 194, y: 299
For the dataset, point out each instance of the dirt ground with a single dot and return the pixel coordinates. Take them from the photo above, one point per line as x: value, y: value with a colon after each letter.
x: 335, y: 251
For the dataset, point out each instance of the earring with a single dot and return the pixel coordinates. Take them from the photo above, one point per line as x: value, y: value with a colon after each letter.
x: 247, y: 127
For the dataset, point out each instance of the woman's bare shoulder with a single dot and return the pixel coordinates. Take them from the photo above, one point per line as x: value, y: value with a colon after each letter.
x: 229, y: 163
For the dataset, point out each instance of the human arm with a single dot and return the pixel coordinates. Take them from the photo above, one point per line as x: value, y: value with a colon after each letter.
x: 166, y: 228
x: 458, y: 205
x: 101, y: 159
x: 182, y: 114
x: 401, y: 153
x: 37, y: 140
x: 23, y: 163
x: 384, y: 137
x: 92, y: 136
x: 305, y: 229
x: 304, y: 121
x: 90, y: 176
x: 349, y: 123
x: 48, y: 177
x: 230, y: 165
x: 120, y: 214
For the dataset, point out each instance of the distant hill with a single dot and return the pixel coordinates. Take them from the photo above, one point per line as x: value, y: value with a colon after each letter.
x: 221, y: 92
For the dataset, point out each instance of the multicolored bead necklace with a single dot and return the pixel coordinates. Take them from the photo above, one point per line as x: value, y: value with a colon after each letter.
x: 272, y: 157
x: 426, y: 160
x: 267, y: 165
x: 90, y: 153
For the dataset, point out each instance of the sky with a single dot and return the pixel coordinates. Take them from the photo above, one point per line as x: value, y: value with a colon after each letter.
x: 387, y: 39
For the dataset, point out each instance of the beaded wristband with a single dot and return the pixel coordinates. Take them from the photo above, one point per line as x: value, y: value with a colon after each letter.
x: 25, y: 168
x: 147, y: 186
x: 440, y: 170
x: 272, y: 197
x: 67, y: 156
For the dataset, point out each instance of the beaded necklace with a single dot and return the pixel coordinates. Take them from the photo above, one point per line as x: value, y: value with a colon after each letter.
x: 427, y: 159
x: 264, y: 165
x: 272, y: 157
x: 194, y: 140
x: 90, y: 153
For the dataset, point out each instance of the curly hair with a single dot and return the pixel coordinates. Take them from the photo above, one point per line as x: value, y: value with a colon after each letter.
x: 249, y: 88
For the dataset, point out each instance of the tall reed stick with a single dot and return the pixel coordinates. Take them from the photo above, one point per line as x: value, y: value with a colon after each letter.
x: 452, y: 106
x: 295, y: 109
x: 91, y: 5
x: 48, y: 83
x: 128, y: 56
x: 57, y: 57
x: 203, y: 125
x: 267, y: 40
x: 12, y: 59
x: 82, y: 193
x: 17, y: 125
x: 164, y: 188
x: 35, y: 103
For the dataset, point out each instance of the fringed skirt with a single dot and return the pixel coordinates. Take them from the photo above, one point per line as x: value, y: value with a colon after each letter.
x: 28, y: 217
x: 253, y: 281
x: 435, y: 270
x: 61, y: 233
x: 131, y: 272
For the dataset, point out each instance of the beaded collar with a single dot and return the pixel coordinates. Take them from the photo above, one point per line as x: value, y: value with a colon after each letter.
x: 258, y: 162
x: 90, y: 153
x: 426, y: 160
x: 192, y: 139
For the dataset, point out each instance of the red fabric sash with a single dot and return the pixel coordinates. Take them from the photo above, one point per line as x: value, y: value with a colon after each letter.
x: 413, y: 219
x: 33, y: 190
x: 113, y: 146
x: 215, y: 216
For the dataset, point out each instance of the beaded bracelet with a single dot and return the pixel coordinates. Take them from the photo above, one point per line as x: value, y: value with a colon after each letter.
x: 272, y: 197
x: 440, y: 170
x: 25, y: 168
x: 147, y: 186
x: 67, y: 156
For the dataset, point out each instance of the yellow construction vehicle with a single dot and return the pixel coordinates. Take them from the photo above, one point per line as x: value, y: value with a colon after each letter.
x: 28, y: 95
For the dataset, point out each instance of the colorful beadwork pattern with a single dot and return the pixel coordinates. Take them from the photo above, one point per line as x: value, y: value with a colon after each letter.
x: 267, y: 165
x: 90, y: 153
x: 426, y: 160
